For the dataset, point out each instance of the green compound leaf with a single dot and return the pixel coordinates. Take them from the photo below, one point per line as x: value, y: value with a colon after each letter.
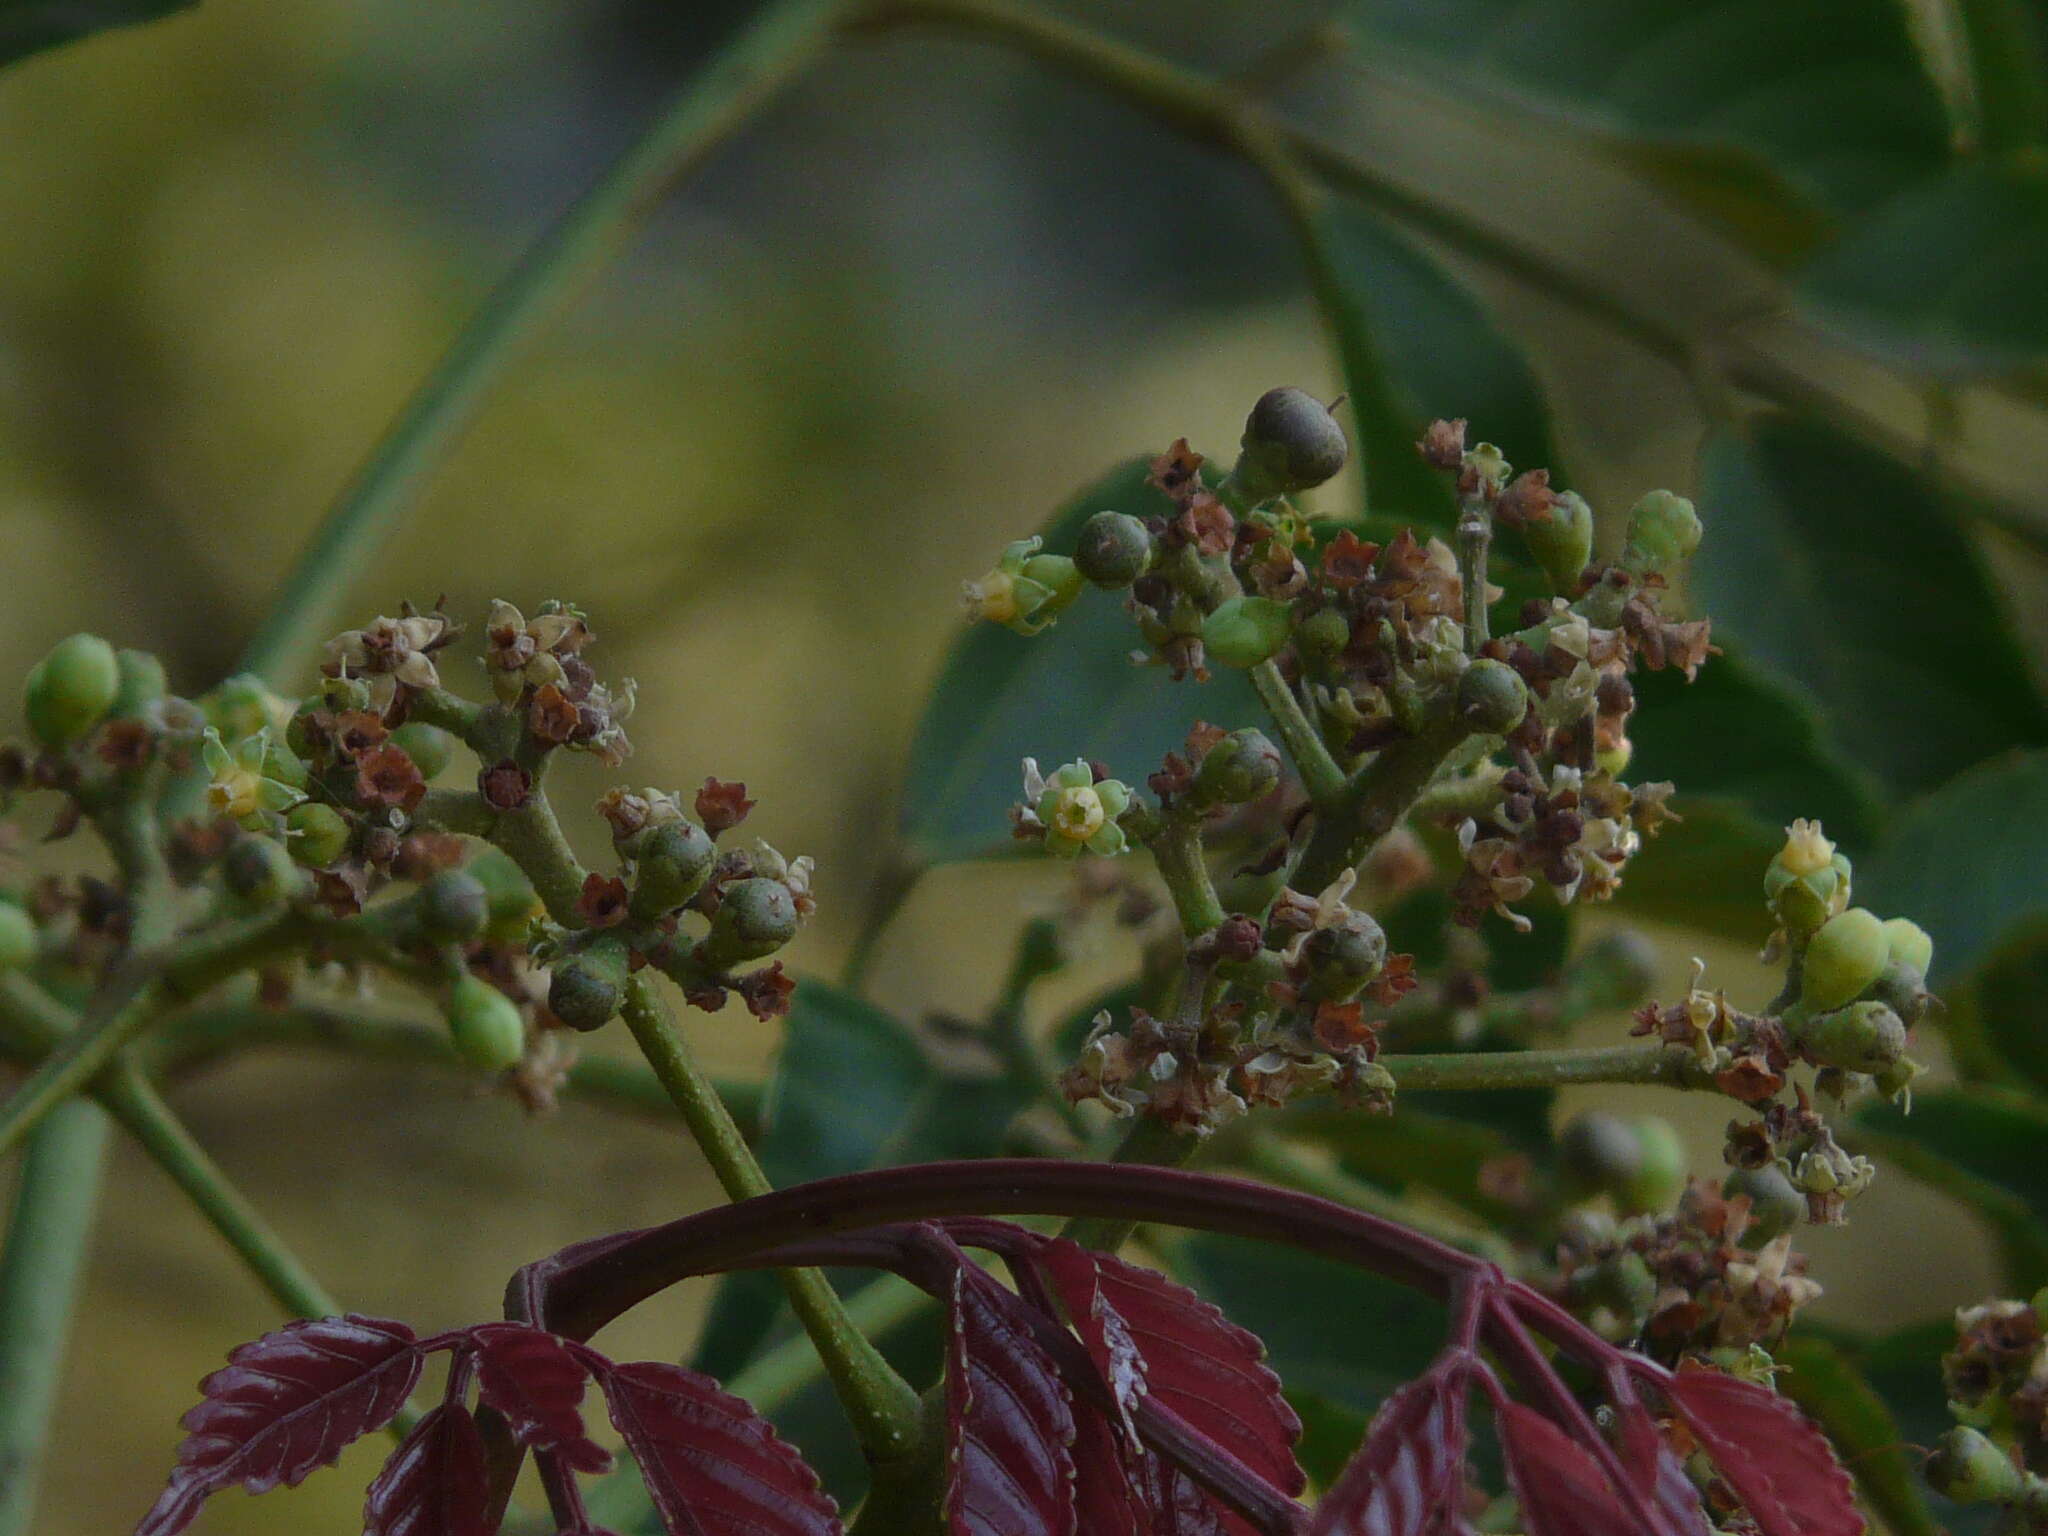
x: 1967, y: 862
x: 1950, y: 276
x: 1845, y: 580
x: 1417, y: 346
x: 1983, y: 1146
x: 29, y: 26
x: 1759, y: 113
x: 1822, y: 1380
x: 1070, y: 692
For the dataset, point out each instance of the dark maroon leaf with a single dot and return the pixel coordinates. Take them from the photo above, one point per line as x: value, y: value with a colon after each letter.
x: 711, y: 1464
x: 1779, y: 1465
x: 285, y: 1404
x: 1108, y: 1498
x: 1561, y: 1488
x: 536, y: 1381
x: 1007, y: 1418
x: 1408, y: 1479
x: 1660, y: 1476
x: 1195, y: 1361
x: 435, y: 1483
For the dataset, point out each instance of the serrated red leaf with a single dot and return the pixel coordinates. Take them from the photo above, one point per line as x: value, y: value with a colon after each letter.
x: 1778, y: 1463
x: 711, y: 1464
x: 536, y: 1381
x: 1562, y: 1490
x: 1408, y: 1478
x: 1193, y: 1359
x: 1009, y: 1423
x: 1660, y: 1476
x: 435, y: 1483
x: 284, y: 1405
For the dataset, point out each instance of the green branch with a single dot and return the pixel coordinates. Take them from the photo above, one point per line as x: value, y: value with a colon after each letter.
x: 47, y: 1238
x: 727, y: 93
x: 1177, y: 850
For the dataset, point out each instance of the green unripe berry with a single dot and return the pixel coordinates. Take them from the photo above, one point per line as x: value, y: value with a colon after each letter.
x: 316, y: 835
x: 1775, y: 1204
x: 429, y: 747
x: 1970, y: 1468
x: 1492, y: 698
x: 1291, y: 442
x: 1244, y: 631
x: 755, y: 918
x: 1617, y: 970
x: 142, y: 682
x: 1242, y: 767
x: 1910, y: 944
x: 18, y: 938
x: 284, y: 765
x: 1663, y: 530
x: 259, y: 871
x: 1115, y: 549
x: 1562, y: 542
x: 672, y: 862
x: 1323, y: 633
x: 238, y: 706
x: 1057, y: 577
x: 1863, y: 1037
x: 513, y: 902
x: 1903, y: 990
x: 1598, y: 1153
x: 1344, y: 957
x: 1843, y: 958
x: 1622, y: 1283
x: 584, y: 988
x: 485, y: 1024
x: 454, y: 907
x: 71, y: 689
x: 1660, y: 1177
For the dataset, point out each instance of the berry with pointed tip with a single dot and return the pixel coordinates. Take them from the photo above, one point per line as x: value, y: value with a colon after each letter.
x: 1660, y: 1177
x: 71, y: 689
x: 584, y: 989
x: 1863, y: 1037
x: 1244, y: 631
x: 259, y: 871
x: 1291, y: 443
x: 1663, y: 530
x: 1242, y: 767
x: 1323, y: 633
x: 1909, y: 944
x: 430, y: 748
x: 315, y: 835
x: 1970, y: 1468
x: 1114, y: 550
x: 1343, y: 957
x: 1843, y: 958
x: 1775, y: 1204
x: 454, y: 907
x: 1562, y: 541
x: 512, y: 900
x: 1598, y: 1153
x: 485, y: 1025
x: 18, y: 938
x: 755, y: 918
x: 671, y: 863
x: 142, y: 682
x: 1492, y: 698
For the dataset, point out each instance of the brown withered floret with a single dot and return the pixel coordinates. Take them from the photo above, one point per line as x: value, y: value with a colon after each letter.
x: 722, y: 804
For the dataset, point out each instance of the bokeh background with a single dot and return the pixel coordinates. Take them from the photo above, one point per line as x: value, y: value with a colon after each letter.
x: 893, y: 325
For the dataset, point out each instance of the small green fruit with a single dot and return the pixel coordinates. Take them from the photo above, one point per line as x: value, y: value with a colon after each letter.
x: 1240, y: 768
x: 1775, y: 1204
x: 18, y: 938
x: 1344, y: 957
x: 1971, y: 1469
x: 1492, y: 698
x: 1291, y: 442
x: 1563, y: 542
x: 1115, y: 549
x: 489, y: 1034
x: 755, y: 918
x: 1660, y: 1177
x: 1617, y: 970
x: 584, y: 988
x: 71, y: 689
x: 259, y: 871
x: 238, y: 706
x: 672, y: 862
x: 1862, y: 1037
x: 1244, y: 631
x: 315, y: 834
x: 1910, y: 944
x: 142, y: 682
x: 1598, y: 1153
x: 513, y: 902
x: 1663, y: 530
x: 1843, y: 958
x: 1323, y: 633
x: 454, y: 907
x: 429, y: 747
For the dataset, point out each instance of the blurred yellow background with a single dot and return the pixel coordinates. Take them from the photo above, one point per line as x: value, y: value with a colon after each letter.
x: 892, y: 327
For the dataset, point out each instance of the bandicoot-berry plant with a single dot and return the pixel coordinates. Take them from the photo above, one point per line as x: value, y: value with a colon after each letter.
x: 1625, y: 1364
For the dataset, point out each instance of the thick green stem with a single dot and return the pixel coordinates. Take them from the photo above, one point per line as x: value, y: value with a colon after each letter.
x: 1320, y: 773
x: 1379, y: 796
x: 721, y: 98
x: 1475, y: 539
x: 881, y: 1405
x: 1177, y: 849
x: 1149, y: 1140
x: 1499, y: 1071
x: 47, y: 1237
